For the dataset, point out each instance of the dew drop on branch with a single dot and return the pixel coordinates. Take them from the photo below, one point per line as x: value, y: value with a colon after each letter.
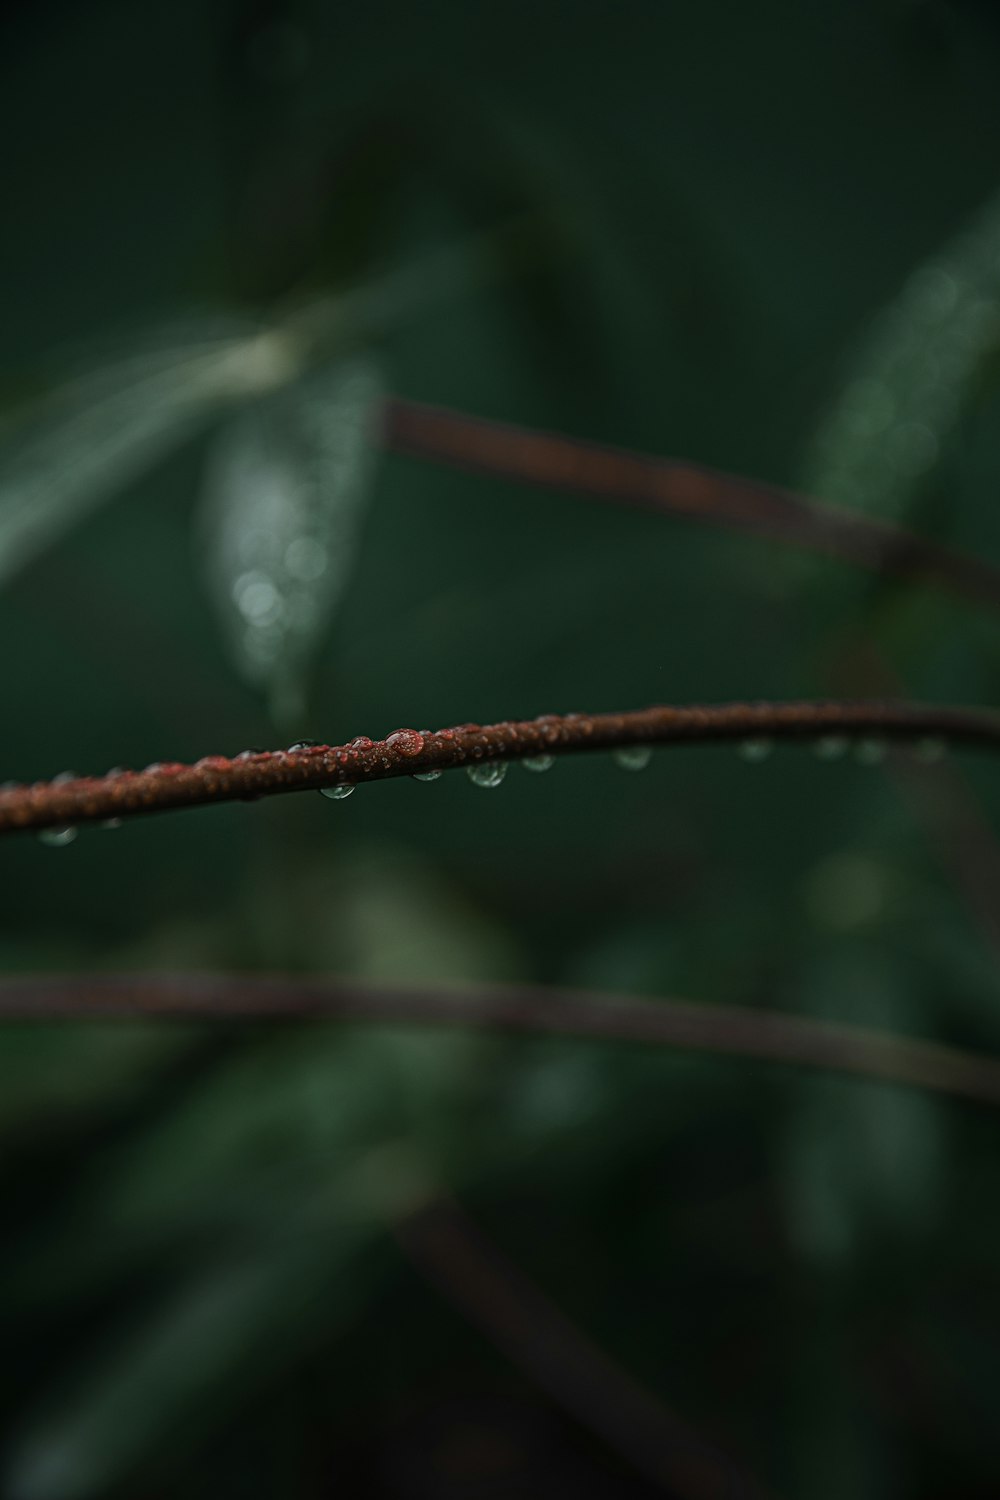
x: 426, y: 775
x: 831, y: 747
x: 538, y: 762
x: 632, y: 757
x: 339, y: 792
x: 870, y: 752
x: 487, y: 772
x: 405, y: 741
x: 929, y: 751
x: 57, y: 838
x: 755, y: 750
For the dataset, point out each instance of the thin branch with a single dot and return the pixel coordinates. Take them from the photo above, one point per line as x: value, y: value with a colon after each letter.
x: 541, y: 1341
x: 68, y: 801
x: 767, y: 1035
x: 690, y: 490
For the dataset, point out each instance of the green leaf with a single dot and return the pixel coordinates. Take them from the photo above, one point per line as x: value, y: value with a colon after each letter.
x: 77, y: 447
x: 911, y: 376
x: 285, y: 489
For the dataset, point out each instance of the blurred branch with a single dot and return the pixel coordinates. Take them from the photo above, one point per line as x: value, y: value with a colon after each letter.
x: 538, y: 1339
x: 684, y: 489
x: 67, y: 801
x: 767, y: 1035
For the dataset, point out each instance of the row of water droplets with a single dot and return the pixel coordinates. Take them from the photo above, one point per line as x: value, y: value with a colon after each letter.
x: 867, y: 750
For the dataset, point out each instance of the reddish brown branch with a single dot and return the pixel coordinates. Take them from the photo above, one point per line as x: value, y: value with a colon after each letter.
x: 409, y: 752
x: 767, y: 1035
x: 683, y: 489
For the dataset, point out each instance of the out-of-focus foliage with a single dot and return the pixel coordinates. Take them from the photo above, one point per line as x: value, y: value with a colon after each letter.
x: 738, y: 234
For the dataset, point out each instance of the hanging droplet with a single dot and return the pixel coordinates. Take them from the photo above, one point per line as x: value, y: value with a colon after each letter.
x: 632, y: 757
x: 487, y: 772
x: 339, y: 792
x: 538, y: 762
x: 870, y: 752
x: 928, y: 752
x: 303, y: 745
x: 755, y: 750
x: 426, y: 775
x: 831, y: 747
x: 56, y: 838
x: 110, y: 823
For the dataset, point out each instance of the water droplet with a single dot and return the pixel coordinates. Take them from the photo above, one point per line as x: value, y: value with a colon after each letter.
x: 870, y: 752
x: 538, y: 762
x: 405, y: 741
x: 426, y: 775
x: 360, y: 742
x: 249, y: 754
x: 928, y: 752
x: 64, y: 776
x: 110, y: 823
x: 632, y: 757
x: 339, y: 792
x: 56, y: 838
x: 302, y: 745
x: 755, y: 750
x: 115, y: 772
x: 831, y: 747
x: 487, y: 772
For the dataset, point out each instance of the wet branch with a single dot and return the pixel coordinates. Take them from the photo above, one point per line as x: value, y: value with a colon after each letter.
x: 68, y: 801
x: 769, y: 1036
x: 554, y: 461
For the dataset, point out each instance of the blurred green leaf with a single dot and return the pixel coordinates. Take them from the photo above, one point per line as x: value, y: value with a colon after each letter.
x: 76, y: 448
x: 285, y: 488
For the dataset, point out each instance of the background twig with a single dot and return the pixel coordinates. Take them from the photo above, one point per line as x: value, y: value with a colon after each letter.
x: 540, y: 1340
x: 767, y: 1035
x: 691, y: 490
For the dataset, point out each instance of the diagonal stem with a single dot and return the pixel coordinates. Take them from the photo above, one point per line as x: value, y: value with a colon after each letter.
x: 554, y: 461
x: 539, y: 1339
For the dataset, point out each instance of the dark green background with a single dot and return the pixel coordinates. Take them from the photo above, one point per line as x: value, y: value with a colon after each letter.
x: 199, y: 1293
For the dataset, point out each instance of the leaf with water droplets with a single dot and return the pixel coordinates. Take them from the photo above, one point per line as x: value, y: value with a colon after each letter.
x: 285, y: 488
x: 100, y: 429
x: 911, y: 375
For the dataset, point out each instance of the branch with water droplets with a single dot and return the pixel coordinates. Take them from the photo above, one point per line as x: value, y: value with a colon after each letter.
x: 484, y: 750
